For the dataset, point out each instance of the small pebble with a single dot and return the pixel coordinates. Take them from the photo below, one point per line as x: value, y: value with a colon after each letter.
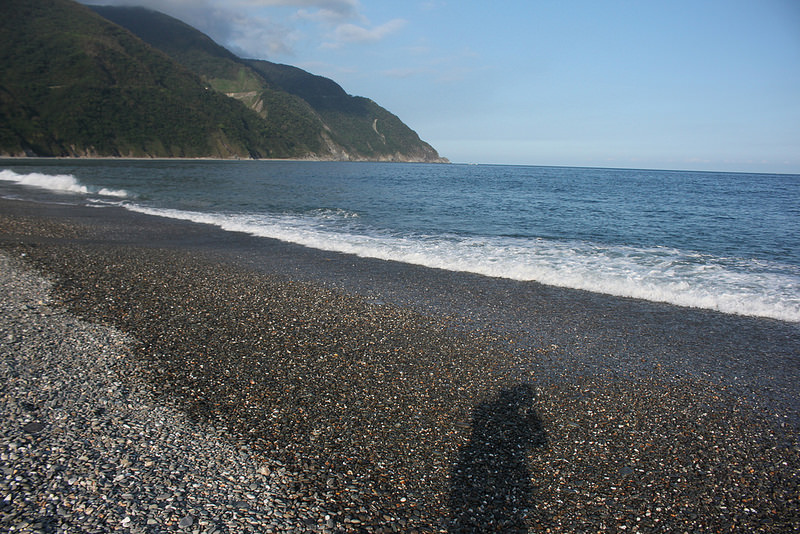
x: 264, y: 404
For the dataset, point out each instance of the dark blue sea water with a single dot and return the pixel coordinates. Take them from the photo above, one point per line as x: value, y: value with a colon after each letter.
x: 723, y: 241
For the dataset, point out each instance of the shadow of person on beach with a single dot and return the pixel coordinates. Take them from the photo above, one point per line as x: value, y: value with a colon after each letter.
x: 490, y: 488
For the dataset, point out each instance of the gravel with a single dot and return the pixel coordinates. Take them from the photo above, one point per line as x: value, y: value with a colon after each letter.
x: 85, y: 448
x: 163, y: 390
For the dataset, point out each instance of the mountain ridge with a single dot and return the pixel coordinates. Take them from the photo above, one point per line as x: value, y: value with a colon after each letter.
x: 132, y: 82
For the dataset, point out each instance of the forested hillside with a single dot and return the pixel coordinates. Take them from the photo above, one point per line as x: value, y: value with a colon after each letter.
x: 133, y: 82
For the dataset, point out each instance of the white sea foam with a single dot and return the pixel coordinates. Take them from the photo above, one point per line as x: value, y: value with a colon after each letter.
x: 655, y: 274
x: 64, y: 183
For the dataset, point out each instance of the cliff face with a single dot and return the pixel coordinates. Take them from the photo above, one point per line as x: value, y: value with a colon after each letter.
x: 132, y: 82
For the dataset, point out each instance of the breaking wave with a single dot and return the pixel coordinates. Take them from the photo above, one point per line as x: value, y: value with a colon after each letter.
x: 659, y: 274
x: 60, y: 183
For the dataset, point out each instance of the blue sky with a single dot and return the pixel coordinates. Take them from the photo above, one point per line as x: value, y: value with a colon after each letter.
x: 702, y: 84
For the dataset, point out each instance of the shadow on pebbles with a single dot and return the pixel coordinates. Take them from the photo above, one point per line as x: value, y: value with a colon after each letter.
x: 154, y: 391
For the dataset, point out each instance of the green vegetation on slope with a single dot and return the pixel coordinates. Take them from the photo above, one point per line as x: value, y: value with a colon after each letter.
x: 73, y: 83
x: 187, y: 46
x: 348, y: 122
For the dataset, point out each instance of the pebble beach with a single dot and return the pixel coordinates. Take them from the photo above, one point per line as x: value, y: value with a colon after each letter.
x: 168, y: 377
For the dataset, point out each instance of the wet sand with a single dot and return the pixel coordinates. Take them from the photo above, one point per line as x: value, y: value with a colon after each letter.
x: 413, y: 398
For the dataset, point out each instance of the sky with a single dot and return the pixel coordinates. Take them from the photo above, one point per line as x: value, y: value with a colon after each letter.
x: 678, y: 84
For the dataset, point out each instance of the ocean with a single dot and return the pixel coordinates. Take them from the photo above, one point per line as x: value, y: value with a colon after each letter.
x: 723, y: 241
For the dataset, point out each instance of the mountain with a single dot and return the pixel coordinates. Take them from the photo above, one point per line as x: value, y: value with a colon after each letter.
x: 109, y: 81
x: 350, y: 125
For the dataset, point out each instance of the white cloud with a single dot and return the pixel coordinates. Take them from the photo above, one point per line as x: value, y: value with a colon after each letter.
x: 322, y: 16
x: 250, y: 30
x: 340, y: 8
x: 260, y: 37
x: 238, y: 26
x: 432, y: 5
x: 352, y: 33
